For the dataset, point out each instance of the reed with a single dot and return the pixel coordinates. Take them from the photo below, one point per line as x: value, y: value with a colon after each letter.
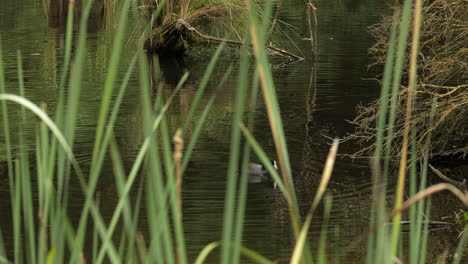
x: 43, y: 232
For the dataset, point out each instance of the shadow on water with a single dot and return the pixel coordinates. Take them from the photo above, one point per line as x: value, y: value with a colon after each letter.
x: 316, y: 98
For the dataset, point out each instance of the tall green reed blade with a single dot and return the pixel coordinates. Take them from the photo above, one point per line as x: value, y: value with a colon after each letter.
x: 417, y: 212
x: 243, y: 182
x: 322, y: 254
x: 56, y: 229
x: 45, y: 189
x: 232, y: 174
x: 102, y: 120
x: 199, y: 124
x: 130, y: 258
x: 201, y: 88
x: 102, y: 152
x: 153, y: 203
x: 69, y: 124
x: 17, y: 227
x: 174, y: 185
x: 95, y: 238
x: 69, y: 114
x: 111, y: 76
x: 409, y: 109
x: 137, y: 164
x: 271, y: 102
x: 108, y: 132
x: 249, y: 254
x: 174, y: 191
x: 425, y: 233
x: 205, y: 252
x: 274, y: 116
x: 419, y: 252
x: 161, y: 247
x: 403, y: 26
x: 26, y: 189
x: 461, y: 246
x: 6, y: 133
x: 326, y: 175
x: 173, y: 174
x: 376, y: 241
x: 67, y: 149
x: 254, y: 256
x: 76, y: 76
x: 391, y: 81
x: 66, y: 64
x: 415, y: 220
x: 127, y: 214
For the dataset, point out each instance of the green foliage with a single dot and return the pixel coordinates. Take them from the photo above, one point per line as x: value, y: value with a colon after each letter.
x: 461, y: 217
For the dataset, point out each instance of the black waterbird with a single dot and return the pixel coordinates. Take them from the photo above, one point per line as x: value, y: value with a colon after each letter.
x: 258, y: 173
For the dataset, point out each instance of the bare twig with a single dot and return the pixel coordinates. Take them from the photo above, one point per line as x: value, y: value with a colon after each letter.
x: 461, y: 185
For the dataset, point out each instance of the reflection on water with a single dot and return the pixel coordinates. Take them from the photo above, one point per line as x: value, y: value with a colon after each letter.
x: 316, y: 97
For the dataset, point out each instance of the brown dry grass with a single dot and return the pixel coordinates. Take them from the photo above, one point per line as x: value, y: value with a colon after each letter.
x: 442, y: 75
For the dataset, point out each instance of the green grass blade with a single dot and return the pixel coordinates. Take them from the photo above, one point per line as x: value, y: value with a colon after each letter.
x: 375, y: 246
x: 17, y: 233
x: 28, y: 215
x: 199, y: 126
x: 243, y: 182
x: 232, y: 174
x: 254, y: 256
x: 111, y: 76
x: 231, y: 227
x: 205, y: 252
x: 140, y: 156
x: 274, y: 116
x: 404, y: 30
x: 6, y: 132
x: 173, y: 189
x: 66, y: 147
x: 327, y: 172
x: 130, y: 258
x: 202, y: 87
x: 462, y: 243
x: 8, y: 150
x: 43, y: 116
x: 425, y: 234
x: 160, y: 247
x: 322, y: 254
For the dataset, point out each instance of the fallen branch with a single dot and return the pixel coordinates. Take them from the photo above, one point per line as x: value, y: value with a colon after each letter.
x: 292, y: 57
x: 461, y: 185
x: 463, y: 197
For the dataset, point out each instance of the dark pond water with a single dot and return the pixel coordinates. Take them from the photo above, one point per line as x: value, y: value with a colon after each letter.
x: 317, y: 97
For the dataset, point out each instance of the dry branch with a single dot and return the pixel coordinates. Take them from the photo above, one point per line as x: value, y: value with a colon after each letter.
x: 291, y: 57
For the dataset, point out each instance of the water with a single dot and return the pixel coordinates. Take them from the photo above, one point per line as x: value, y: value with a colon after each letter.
x: 316, y: 96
